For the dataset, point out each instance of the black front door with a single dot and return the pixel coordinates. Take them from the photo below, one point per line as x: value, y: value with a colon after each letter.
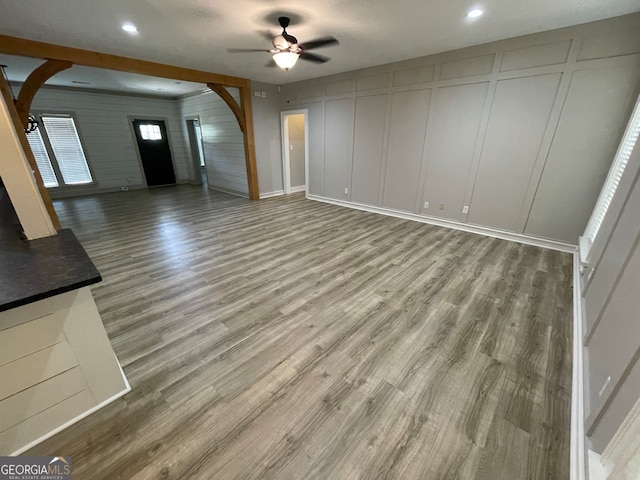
x: 154, y: 152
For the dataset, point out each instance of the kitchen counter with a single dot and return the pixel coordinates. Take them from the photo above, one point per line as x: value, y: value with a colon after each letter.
x: 32, y: 270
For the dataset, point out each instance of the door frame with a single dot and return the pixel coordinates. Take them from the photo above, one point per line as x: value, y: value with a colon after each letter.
x: 286, y: 161
x: 130, y: 119
x: 195, y: 161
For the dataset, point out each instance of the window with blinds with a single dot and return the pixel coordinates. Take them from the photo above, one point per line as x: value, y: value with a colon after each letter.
x: 42, y: 159
x: 67, y: 149
x: 618, y: 166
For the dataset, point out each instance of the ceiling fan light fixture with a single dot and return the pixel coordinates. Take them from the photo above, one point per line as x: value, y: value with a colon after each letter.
x: 286, y: 60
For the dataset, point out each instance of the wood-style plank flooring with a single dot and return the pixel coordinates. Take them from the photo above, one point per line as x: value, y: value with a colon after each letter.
x: 291, y: 339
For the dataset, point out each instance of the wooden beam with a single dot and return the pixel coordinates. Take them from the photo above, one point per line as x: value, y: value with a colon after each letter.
x: 88, y: 58
x: 244, y: 116
x: 231, y: 102
x: 33, y: 83
x: 249, y: 143
x: 17, y: 124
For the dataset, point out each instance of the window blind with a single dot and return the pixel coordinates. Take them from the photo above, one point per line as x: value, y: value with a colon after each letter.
x: 42, y: 159
x: 618, y: 166
x: 67, y: 149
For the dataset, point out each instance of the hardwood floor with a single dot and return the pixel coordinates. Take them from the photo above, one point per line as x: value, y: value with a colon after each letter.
x: 290, y: 339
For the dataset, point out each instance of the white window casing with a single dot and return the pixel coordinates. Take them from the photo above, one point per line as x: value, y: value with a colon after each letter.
x: 610, y: 186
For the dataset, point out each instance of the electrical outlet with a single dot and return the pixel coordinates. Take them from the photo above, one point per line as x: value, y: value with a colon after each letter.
x: 426, y: 204
x: 442, y: 206
x: 346, y: 191
x: 465, y: 209
x: 604, y: 386
x: 264, y: 94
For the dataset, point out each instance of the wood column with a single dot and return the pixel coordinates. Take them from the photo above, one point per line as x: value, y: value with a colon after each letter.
x: 244, y: 116
x: 249, y: 143
x: 22, y: 137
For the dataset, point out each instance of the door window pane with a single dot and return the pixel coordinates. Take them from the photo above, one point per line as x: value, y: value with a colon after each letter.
x: 150, y: 132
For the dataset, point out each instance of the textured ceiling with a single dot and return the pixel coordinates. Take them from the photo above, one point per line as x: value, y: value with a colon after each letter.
x: 197, y: 33
x: 19, y: 68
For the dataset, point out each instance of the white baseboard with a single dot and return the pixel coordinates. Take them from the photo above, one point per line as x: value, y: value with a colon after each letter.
x: 271, y: 194
x: 487, y: 231
x: 299, y: 188
x: 596, y: 470
x: 66, y: 425
x: 577, y: 455
x: 81, y: 192
x: 229, y: 191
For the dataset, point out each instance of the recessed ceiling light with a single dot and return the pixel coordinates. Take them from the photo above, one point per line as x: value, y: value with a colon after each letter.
x: 475, y: 13
x: 130, y: 28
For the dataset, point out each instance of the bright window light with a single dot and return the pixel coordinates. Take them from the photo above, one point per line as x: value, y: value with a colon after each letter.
x: 150, y: 132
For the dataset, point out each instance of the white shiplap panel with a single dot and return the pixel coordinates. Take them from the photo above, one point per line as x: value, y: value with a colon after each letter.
x: 35, y: 368
x: 42, y: 333
x: 222, y: 138
x: 41, y: 396
x: 103, y: 124
x: 44, y: 422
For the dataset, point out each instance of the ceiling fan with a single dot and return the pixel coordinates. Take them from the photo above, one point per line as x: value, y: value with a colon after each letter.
x: 286, y: 49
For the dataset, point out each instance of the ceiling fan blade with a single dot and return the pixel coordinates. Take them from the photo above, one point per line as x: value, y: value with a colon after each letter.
x: 313, y: 58
x: 320, y: 42
x: 246, y: 50
x: 290, y: 38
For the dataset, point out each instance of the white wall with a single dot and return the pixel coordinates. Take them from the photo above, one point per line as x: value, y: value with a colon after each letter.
x: 266, y: 121
x: 223, y: 140
x: 521, y: 131
x: 103, y: 124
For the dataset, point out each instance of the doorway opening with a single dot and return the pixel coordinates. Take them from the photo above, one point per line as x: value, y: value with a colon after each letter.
x: 295, y: 150
x: 194, y: 133
x: 155, y: 152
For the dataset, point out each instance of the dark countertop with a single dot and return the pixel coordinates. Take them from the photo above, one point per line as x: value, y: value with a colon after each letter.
x: 31, y: 270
